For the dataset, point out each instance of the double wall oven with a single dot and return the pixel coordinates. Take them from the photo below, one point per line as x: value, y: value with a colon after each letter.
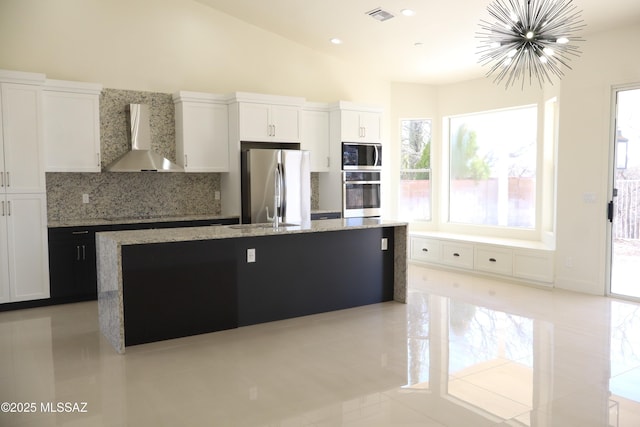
x: 361, y: 172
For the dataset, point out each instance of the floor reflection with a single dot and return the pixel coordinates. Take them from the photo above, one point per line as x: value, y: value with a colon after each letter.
x: 465, y: 351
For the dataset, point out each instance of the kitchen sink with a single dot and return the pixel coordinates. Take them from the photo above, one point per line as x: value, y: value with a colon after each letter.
x: 261, y: 225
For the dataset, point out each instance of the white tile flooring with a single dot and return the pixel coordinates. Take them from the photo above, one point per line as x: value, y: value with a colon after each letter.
x: 465, y: 351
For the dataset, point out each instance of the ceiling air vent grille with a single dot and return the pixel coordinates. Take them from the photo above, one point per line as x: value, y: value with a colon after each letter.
x: 379, y: 14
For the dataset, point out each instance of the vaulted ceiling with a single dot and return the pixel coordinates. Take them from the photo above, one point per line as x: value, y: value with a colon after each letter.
x: 437, y: 45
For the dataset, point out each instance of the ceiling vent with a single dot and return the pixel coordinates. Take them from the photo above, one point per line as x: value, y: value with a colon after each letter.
x: 380, y: 15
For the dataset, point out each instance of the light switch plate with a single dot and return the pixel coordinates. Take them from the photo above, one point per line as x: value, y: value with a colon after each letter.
x: 384, y: 244
x: 251, y: 255
x: 85, y: 198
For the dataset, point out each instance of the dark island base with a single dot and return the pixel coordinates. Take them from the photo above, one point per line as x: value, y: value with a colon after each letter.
x: 178, y: 289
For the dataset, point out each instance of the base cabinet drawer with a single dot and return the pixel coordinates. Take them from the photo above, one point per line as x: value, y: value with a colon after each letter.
x: 428, y: 250
x: 536, y: 266
x: 493, y: 260
x: 458, y: 255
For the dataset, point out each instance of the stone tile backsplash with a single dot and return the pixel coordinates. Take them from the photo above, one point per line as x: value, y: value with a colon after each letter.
x: 132, y: 194
x: 125, y: 195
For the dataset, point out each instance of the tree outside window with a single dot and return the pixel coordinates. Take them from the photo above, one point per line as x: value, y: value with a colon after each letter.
x: 493, y: 168
x: 415, y: 170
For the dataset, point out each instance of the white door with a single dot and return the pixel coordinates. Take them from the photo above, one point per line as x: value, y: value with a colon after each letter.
x: 27, y: 246
x: 254, y: 122
x: 286, y: 123
x: 23, y: 148
x: 4, y: 252
x: 205, y: 138
x: 315, y: 138
x: 370, y: 123
x: 624, y: 209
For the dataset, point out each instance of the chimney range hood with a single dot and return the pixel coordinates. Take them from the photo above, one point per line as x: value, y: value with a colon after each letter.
x: 141, y: 158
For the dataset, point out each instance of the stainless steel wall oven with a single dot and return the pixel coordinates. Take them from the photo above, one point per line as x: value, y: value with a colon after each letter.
x: 361, y: 194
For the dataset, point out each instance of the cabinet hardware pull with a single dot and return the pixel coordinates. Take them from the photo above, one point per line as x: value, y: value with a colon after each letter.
x: 98, y: 159
x: 425, y: 250
x: 1, y: 179
x: 84, y: 253
x: 3, y: 208
x: 186, y: 161
x: 77, y: 253
x: 456, y: 254
x: 8, y: 180
x: 80, y: 232
x: 9, y: 207
x: 492, y: 260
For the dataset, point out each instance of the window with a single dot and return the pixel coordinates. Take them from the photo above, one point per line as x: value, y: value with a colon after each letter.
x: 492, y: 168
x: 415, y: 170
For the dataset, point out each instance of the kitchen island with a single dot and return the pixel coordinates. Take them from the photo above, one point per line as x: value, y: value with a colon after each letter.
x: 169, y: 283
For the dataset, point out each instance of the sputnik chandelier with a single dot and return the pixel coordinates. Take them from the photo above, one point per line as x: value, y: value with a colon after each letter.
x: 529, y: 39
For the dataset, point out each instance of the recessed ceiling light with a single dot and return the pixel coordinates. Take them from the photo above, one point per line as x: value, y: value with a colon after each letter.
x: 408, y: 12
x: 336, y: 40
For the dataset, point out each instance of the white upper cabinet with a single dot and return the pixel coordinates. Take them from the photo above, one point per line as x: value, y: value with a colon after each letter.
x: 315, y: 135
x: 266, y: 118
x: 71, y: 123
x: 202, y: 132
x: 22, y: 170
x: 360, y: 123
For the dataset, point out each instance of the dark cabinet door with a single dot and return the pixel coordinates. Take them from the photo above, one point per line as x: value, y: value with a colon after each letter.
x: 72, y: 265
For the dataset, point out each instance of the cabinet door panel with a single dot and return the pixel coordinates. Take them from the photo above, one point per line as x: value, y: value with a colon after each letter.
x: 204, y: 139
x: 494, y: 260
x: 71, y: 132
x: 370, y: 123
x: 350, y: 126
x: 4, y: 253
x: 23, y: 150
x: 315, y: 138
x: 428, y: 250
x: 254, y: 122
x: 28, y: 253
x: 286, y: 123
x: 532, y: 265
x: 457, y: 254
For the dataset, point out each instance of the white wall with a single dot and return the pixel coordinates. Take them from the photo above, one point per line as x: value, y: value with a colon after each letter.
x: 609, y: 59
x: 170, y: 45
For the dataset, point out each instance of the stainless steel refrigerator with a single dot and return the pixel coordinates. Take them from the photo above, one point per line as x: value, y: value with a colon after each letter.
x: 276, y: 180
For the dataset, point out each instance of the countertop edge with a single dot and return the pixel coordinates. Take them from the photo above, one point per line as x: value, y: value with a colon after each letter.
x: 168, y: 235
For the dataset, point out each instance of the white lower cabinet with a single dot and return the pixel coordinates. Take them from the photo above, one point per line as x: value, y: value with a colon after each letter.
x: 522, y: 263
x: 457, y: 254
x: 533, y: 265
x: 24, y: 267
x: 493, y: 260
x: 428, y: 250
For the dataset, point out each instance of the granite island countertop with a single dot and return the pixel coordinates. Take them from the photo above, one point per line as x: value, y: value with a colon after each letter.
x: 141, y: 237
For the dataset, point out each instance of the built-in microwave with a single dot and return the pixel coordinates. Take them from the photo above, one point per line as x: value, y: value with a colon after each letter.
x: 361, y: 194
x: 361, y: 156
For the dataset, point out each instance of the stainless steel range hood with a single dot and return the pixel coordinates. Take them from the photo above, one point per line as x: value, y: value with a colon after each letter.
x: 141, y: 158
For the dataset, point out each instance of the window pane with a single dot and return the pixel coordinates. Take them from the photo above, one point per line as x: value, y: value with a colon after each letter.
x: 493, y: 168
x: 415, y: 170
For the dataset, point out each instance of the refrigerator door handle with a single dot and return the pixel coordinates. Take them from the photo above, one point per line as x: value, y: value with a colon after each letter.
x: 282, y: 193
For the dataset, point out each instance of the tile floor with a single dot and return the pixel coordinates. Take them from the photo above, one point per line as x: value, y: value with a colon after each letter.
x: 465, y: 351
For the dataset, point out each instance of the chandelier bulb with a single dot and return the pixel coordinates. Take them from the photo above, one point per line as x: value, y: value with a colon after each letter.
x: 530, y: 35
